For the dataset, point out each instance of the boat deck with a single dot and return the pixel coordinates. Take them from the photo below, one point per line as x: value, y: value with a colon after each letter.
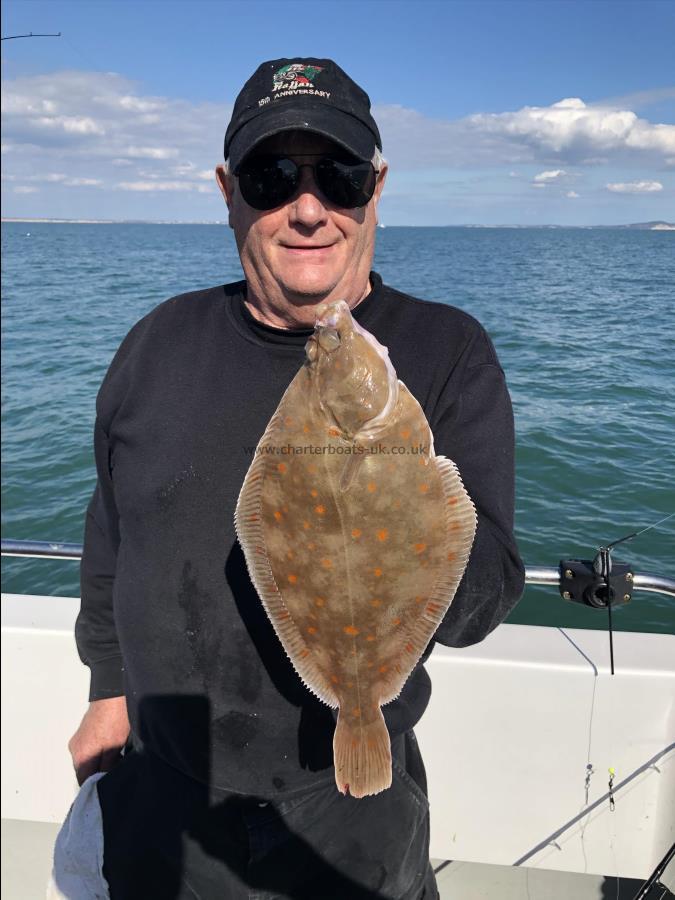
x: 27, y: 848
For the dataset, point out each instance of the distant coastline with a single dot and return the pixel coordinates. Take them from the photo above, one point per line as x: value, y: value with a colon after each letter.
x: 639, y: 226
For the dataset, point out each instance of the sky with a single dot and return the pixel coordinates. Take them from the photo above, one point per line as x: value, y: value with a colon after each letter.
x: 491, y: 112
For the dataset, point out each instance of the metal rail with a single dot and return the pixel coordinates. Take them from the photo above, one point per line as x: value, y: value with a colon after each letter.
x: 546, y: 575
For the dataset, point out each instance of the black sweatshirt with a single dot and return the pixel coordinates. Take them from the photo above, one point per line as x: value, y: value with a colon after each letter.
x: 169, y: 616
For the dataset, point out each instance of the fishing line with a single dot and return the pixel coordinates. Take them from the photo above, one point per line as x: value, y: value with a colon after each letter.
x: 602, y: 566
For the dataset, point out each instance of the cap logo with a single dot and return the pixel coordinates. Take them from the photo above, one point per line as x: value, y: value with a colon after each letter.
x: 294, y: 76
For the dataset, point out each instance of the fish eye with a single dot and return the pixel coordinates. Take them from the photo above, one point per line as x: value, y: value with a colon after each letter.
x: 329, y: 339
x: 311, y: 349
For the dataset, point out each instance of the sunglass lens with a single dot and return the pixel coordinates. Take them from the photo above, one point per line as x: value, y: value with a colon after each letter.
x: 348, y: 185
x: 267, y: 182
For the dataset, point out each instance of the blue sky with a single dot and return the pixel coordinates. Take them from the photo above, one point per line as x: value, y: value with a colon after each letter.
x: 490, y: 112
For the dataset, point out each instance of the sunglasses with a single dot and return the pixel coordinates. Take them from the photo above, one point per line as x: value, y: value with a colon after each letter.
x: 266, y: 182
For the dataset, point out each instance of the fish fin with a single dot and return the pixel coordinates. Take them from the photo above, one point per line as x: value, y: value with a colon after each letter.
x: 249, y: 529
x: 362, y: 755
x: 460, y: 522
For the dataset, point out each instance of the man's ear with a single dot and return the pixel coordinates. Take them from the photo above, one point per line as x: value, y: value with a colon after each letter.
x: 226, y: 185
x: 379, y: 184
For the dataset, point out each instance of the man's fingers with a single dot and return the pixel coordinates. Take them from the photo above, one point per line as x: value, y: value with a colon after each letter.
x: 109, y: 759
x: 87, y: 767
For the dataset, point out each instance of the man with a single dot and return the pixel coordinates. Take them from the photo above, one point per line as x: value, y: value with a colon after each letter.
x: 226, y: 788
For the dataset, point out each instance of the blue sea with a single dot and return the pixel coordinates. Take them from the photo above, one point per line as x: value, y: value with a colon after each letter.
x: 583, y: 322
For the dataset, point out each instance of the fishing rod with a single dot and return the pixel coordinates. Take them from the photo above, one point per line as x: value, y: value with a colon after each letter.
x: 653, y: 880
x: 13, y: 37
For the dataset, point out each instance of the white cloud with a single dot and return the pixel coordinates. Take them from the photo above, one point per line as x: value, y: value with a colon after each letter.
x: 548, y: 177
x: 567, y: 131
x: 635, y: 187
x: 163, y: 186
x: 70, y: 124
x: 83, y: 182
x: 572, y: 195
x: 25, y: 189
x: 151, y: 152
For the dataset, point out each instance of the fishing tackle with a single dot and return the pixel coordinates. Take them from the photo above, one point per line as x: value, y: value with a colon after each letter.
x: 610, y: 785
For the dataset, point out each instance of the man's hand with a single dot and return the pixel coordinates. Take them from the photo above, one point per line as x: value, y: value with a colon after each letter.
x: 95, y: 746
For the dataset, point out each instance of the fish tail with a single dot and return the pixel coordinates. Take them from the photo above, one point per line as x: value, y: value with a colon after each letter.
x: 362, y: 754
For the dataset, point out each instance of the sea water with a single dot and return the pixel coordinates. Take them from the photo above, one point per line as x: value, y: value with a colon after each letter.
x: 583, y: 321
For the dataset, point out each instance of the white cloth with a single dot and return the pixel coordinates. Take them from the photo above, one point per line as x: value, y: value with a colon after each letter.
x: 77, y: 873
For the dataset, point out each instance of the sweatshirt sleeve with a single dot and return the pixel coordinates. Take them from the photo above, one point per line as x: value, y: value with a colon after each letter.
x: 473, y: 426
x: 95, y: 631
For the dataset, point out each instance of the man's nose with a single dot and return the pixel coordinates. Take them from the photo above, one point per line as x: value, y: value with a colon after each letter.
x: 307, y: 208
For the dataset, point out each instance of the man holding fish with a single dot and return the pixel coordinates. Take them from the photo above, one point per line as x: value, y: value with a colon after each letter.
x: 264, y: 684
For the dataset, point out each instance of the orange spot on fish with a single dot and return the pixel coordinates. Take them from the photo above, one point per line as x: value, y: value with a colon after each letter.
x: 451, y: 556
x: 398, y: 668
x: 288, y: 421
x: 319, y: 510
x: 311, y: 630
x: 424, y: 488
x: 455, y: 526
x: 395, y: 621
x: 420, y: 548
x: 311, y: 468
x: 284, y: 614
x: 277, y: 515
x: 319, y: 601
x: 305, y: 428
x: 418, y: 599
x: 375, y: 602
x: 370, y: 664
x: 383, y: 669
x: 356, y: 712
x: 311, y: 545
x: 350, y: 684
x: 355, y: 743
x: 350, y: 630
x: 293, y: 579
x: 422, y: 462
x: 314, y: 492
x: 281, y: 467
x: 356, y: 532
x: 433, y: 607
x: 335, y: 679
x: 327, y: 563
x: 333, y: 431
x: 290, y: 554
x: 405, y: 433
x: 410, y: 648
x: 377, y: 572
x: 372, y: 487
x: 371, y: 637
x: 253, y: 518
x: 304, y: 653
x: 305, y: 525
x: 382, y: 534
x: 452, y: 501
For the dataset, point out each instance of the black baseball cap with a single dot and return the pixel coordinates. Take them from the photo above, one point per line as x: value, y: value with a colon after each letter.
x: 304, y: 94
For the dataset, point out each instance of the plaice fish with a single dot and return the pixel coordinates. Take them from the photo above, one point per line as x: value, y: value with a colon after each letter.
x: 356, y: 536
